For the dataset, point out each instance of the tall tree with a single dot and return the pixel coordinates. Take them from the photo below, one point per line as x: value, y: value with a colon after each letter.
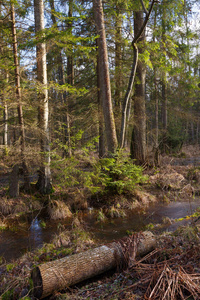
x: 19, y: 98
x: 61, y: 77
x: 44, y: 180
x: 139, y: 27
x: 105, y: 78
x: 138, y: 140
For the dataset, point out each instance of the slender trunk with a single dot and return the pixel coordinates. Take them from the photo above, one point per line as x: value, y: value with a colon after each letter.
x: 156, y: 88
x: 164, y: 103
x: 127, y: 96
x: 118, y: 59
x: 61, y: 77
x: 192, y: 132
x: 70, y: 81
x: 139, y: 32
x: 44, y: 180
x: 5, y: 135
x: 164, y: 75
x: 156, y: 107
x: 70, y: 65
x: 197, y: 132
x: 5, y: 119
x: 105, y: 79
x: 156, y: 149
x: 138, y: 141
x: 100, y: 112
x: 19, y: 100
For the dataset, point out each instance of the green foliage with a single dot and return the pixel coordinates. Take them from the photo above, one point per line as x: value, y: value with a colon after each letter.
x: 172, y: 141
x: 101, y: 216
x: 7, y: 295
x: 119, y: 174
x: 43, y: 224
x: 9, y: 267
x: 84, y: 170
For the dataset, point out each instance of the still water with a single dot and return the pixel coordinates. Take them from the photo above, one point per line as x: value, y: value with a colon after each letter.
x: 14, y: 244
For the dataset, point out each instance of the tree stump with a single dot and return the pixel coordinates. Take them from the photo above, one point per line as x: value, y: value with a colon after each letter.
x: 14, y: 182
x: 60, y: 274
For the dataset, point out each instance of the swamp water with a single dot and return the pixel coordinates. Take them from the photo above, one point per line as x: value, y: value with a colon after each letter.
x: 14, y: 244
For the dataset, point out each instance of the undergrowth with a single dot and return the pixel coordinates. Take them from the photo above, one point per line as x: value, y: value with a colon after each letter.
x: 84, y: 169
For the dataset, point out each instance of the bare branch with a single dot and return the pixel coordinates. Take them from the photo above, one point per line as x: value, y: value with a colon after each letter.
x: 144, y: 8
x: 133, y: 72
x: 144, y: 24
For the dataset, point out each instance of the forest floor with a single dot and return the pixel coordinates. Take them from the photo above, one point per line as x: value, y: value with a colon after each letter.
x: 171, y: 271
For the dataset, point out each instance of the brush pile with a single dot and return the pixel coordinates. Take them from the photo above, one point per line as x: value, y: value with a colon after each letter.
x: 177, y: 277
x: 171, y: 272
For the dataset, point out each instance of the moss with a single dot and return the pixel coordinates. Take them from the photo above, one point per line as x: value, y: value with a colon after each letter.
x: 10, y: 267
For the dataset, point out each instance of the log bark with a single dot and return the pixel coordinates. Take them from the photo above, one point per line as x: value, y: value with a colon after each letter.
x: 60, y: 274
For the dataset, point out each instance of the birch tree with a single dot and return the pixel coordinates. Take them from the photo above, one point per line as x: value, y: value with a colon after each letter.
x: 44, y: 180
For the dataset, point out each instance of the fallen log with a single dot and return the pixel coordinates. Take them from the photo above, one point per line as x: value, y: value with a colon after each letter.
x: 62, y: 273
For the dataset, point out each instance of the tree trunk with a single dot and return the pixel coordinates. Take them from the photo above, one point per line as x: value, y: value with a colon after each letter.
x: 164, y: 75
x: 19, y: 96
x: 70, y: 81
x: 138, y: 35
x: 70, y: 65
x: 118, y: 68
x: 5, y: 134
x: 14, y: 182
x: 156, y: 150
x: 57, y: 275
x: 138, y: 141
x: 61, y: 76
x: 105, y: 79
x: 102, y: 150
x: 44, y: 180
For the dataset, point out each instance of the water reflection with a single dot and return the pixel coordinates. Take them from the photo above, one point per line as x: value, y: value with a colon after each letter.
x: 117, y: 228
x: 14, y: 244
x: 36, y: 237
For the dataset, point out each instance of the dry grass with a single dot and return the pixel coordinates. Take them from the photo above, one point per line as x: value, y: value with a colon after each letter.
x: 58, y: 210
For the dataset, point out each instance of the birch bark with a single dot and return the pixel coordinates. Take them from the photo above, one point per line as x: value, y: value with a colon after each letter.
x: 44, y: 180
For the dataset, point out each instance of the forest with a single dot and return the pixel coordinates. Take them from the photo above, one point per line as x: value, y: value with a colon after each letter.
x: 99, y: 130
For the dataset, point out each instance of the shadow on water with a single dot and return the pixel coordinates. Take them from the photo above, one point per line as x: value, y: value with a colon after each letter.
x: 14, y: 244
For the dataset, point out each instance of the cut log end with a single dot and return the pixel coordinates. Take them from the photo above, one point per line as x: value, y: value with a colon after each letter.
x: 37, y: 283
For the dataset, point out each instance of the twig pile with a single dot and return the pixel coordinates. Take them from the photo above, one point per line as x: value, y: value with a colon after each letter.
x: 170, y: 279
x: 169, y: 284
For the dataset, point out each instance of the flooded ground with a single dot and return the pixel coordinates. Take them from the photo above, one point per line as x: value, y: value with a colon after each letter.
x: 14, y: 244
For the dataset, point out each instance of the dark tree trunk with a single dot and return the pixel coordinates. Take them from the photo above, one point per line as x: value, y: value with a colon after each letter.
x: 118, y: 69
x: 105, y: 79
x: 139, y: 35
x: 138, y: 141
x: 102, y: 150
x: 5, y: 134
x: 19, y: 96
